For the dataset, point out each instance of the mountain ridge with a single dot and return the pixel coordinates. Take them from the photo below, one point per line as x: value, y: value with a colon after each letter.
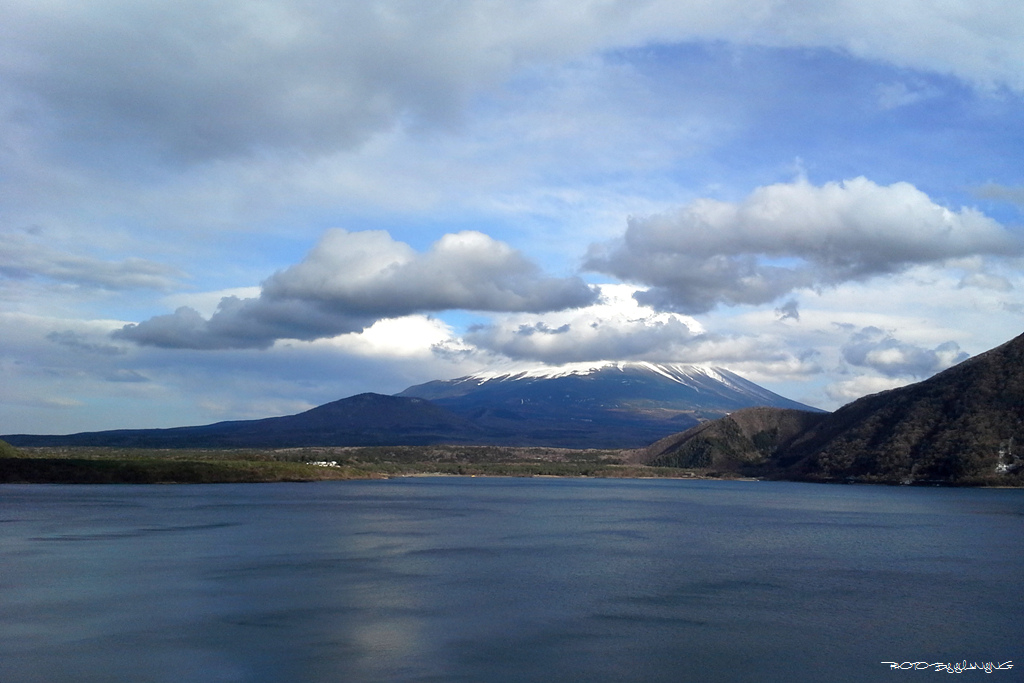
x: 611, y: 405
x: 360, y: 420
x: 959, y: 426
x: 604, y: 404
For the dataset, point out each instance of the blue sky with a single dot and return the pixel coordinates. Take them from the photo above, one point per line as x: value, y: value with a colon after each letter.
x: 223, y: 210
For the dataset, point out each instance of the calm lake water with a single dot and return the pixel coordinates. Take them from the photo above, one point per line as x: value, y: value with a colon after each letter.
x: 492, y: 579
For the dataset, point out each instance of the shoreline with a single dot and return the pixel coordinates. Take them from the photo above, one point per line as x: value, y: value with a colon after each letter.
x: 202, y: 466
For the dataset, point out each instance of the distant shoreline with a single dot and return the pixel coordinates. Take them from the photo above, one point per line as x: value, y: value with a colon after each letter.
x: 108, y: 465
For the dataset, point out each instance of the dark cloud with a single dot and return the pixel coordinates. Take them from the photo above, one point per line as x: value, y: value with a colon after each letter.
x: 542, y: 328
x: 125, y: 375
x: 790, y: 236
x: 351, y: 280
x: 1003, y: 193
x: 79, y: 342
x: 874, y: 348
x: 202, y: 79
x: 788, y: 311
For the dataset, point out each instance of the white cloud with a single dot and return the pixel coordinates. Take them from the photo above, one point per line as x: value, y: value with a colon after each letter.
x: 986, y: 281
x: 614, y: 328
x: 413, y: 336
x: 899, y: 94
x: 850, y: 390
x: 64, y: 375
x: 791, y: 236
x: 879, y: 350
x: 619, y: 328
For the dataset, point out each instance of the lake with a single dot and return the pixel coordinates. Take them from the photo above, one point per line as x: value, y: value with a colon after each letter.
x: 495, y: 579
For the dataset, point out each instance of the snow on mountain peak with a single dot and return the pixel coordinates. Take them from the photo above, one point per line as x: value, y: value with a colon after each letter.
x: 677, y: 372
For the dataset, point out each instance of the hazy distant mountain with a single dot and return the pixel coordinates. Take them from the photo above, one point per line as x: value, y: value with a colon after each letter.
x: 604, y: 405
x: 598, y: 405
x: 964, y: 425
x: 363, y: 420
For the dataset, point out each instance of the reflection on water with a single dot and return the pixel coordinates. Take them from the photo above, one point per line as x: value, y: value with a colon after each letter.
x: 449, y: 579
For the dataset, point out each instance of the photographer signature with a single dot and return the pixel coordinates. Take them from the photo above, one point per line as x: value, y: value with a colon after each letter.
x: 957, y: 668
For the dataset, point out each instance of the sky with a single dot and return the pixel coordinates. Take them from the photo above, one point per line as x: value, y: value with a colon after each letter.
x: 228, y: 209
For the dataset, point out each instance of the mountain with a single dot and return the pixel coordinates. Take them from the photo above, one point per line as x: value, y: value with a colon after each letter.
x: 363, y: 420
x: 964, y: 425
x: 744, y: 441
x: 603, y: 405
x: 597, y: 405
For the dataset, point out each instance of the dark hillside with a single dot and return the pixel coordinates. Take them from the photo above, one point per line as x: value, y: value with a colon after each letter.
x: 951, y: 427
x: 743, y: 442
x: 962, y: 426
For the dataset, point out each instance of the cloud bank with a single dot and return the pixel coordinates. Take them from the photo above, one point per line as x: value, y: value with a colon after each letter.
x: 614, y: 327
x: 350, y: 280
x: 202, y: 79
x: 590, y: 336
x: 618, y: 328
x: 789, y: 236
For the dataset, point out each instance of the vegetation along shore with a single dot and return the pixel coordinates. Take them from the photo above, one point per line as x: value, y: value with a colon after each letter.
x: 83, y: 465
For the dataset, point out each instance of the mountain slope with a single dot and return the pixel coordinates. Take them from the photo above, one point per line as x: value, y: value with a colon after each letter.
x: 605, y: 405
x: 363, y: 420
x: 745, y: 440
x: 947, y: 428
x: 682, y: 386
x: 600, y: 405
x: 964, y: 425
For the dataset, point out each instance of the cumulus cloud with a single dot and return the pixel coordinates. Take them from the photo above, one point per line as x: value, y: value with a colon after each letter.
x: 22, y: 258
x: 352, y: 279
x: 877, y: 349
x: 789, y: 236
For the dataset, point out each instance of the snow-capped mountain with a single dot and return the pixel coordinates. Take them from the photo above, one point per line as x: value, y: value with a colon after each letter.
x: 603, y: 404
x: 598, y: 405
x: 687, y: 387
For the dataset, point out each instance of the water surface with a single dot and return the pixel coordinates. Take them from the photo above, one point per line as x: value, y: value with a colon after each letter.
x: 492, y: 579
